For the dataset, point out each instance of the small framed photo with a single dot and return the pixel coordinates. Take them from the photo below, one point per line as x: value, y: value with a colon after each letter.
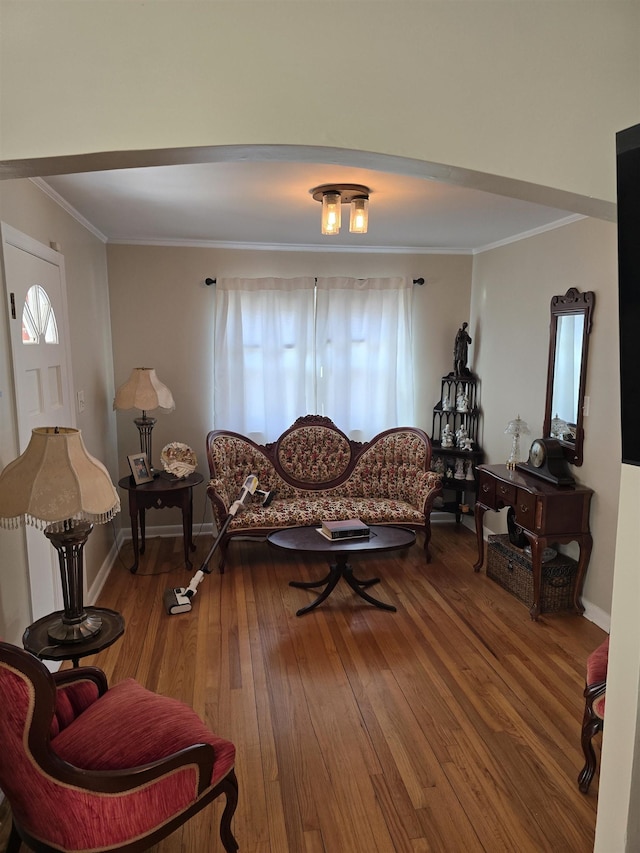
x: 140, y: 468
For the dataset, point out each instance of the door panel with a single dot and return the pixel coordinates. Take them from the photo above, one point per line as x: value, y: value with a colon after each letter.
x: 43, y: 386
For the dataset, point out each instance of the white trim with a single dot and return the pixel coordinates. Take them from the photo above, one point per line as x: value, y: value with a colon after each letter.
x: 167, y: 531
x: 550, y: 226
x: 48, y: 190
x: 290, y: 247
x: 107, y: 565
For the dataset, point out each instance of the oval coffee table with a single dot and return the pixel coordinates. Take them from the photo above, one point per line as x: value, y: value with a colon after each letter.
x: 382, y: 538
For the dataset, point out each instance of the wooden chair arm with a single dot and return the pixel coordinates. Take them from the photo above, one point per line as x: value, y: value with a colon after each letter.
x: 200, y: 756
x: 84, y: 673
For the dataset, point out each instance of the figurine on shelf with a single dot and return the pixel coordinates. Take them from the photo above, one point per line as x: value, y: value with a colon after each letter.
x: 446, y: 405
x: 459, y: 475
x: 462, y: 401
x: 461, y: 352
x: 461, y: 436
x: 438, y: 465
x: 469, y: 475
x: 447, y: 438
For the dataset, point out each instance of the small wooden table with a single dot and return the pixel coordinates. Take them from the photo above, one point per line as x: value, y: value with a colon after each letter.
x: 158, y: 494
x: 36, y: 638
x: 382, y: 538
x: 546, y: 513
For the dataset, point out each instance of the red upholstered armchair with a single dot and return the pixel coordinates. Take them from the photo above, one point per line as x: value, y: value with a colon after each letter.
x: 87, y: 768
x: 595, y: 693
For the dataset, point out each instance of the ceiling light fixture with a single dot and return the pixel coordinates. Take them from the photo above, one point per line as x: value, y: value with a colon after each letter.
x: 333, y: 196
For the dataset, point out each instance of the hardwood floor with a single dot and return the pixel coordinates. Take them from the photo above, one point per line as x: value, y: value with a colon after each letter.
x: 451, y: 725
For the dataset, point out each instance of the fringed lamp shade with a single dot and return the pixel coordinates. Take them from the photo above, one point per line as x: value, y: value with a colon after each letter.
x: 58, y: 486
x: 55, y: 481
x: 143, y: 390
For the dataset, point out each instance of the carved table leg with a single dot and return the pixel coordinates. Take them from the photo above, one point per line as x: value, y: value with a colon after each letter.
x: 133, y: 518
x: 586, y: 543
x: 479, y: 511
x: 537, y: 549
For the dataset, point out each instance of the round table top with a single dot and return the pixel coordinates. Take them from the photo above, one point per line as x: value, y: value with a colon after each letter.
x: 162, y: 483
x: 36, y: 638
x: 382, y: 538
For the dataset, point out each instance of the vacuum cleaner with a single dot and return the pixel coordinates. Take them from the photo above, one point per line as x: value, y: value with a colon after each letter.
x: 178, y: 599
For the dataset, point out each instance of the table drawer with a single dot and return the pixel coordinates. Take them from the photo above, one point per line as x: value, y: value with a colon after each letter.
x: 525, y: 507
x: 505, y: 493
x: 487, y: 490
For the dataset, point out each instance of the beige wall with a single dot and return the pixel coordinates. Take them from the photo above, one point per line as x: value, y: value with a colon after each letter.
x: 162, y: 317
x: 527, y: 90
x: 512, y: 290
x: 27, y: 208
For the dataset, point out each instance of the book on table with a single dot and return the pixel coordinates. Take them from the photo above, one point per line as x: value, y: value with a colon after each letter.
x: 350, y: 528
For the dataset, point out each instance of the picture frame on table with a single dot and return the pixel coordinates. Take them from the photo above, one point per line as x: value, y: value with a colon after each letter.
x: 140, y: 468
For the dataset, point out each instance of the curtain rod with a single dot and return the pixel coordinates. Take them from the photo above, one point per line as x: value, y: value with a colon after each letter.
x: 210, y: 281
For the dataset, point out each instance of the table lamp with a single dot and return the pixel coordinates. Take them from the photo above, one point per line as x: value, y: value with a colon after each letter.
x: 516, y: 428
x: 57, y: 486
x: 143, y: 390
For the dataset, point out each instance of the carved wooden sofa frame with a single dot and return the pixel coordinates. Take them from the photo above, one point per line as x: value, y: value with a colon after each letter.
x: 318, y: 473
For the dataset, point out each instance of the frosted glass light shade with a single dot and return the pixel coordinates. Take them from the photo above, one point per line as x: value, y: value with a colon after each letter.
x: 331, y: 213
x: 56, y: 481
x: 359, y: 218
x: 143, y: 390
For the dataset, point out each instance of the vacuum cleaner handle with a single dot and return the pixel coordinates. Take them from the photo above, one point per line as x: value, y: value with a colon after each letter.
x: 248, y: 488
x: 178, y: 600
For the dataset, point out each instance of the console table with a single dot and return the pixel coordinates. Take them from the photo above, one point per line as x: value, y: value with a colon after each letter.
x: 157, y: 494
x: 546, y: 513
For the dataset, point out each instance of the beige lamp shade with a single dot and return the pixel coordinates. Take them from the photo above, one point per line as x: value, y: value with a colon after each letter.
x: 143, y: 390
x: 55, y: 481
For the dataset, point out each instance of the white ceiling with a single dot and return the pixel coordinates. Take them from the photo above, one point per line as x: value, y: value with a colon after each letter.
x: 267, y: 204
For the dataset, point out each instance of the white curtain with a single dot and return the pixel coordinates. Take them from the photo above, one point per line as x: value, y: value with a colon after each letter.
x: 289, y: 347
x: 263, y: 355
x: 364, y: 353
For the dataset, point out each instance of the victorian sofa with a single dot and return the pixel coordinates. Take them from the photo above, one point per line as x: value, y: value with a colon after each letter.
x: 316, y: 473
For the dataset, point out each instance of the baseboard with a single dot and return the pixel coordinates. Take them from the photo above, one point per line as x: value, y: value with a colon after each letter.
x: 124, y: 535
x: 597, y: 615
x: 107, y: 564
x: 168, y: 530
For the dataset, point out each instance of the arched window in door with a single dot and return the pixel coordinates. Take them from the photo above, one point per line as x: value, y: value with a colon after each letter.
x: 38, y: 318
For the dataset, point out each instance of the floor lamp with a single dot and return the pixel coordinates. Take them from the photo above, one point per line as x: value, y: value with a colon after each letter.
x: 143, y: 390
x: 60, y: 488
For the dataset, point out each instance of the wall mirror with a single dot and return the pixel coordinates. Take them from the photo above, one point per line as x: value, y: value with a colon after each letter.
x: 571, y: 317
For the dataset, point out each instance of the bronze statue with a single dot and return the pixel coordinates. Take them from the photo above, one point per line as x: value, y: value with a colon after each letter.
x: 461, y: 351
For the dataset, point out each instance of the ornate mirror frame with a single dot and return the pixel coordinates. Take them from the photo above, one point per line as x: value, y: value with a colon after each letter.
x: 571, y: 318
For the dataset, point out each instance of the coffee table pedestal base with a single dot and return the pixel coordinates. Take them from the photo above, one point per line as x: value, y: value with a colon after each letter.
x: 340, y: 569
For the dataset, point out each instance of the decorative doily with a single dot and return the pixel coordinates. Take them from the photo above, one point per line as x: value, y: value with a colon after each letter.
x: 178, y: 459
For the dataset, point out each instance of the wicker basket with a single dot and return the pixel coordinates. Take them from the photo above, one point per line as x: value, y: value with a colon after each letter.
x: 511, y: 568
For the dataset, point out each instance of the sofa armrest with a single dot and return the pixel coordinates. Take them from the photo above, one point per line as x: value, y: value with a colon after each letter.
x: 428, y: 485
x: 232, y: 458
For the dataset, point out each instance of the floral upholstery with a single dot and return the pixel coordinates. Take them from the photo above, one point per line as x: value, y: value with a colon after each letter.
x: 317, y: 473
x: 314, y: 454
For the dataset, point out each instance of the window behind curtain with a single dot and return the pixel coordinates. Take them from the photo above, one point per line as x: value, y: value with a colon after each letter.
x: 364, y: 357
x: 285, y: 348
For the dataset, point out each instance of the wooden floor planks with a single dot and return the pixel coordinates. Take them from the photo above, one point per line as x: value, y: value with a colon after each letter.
x: 450, y: 725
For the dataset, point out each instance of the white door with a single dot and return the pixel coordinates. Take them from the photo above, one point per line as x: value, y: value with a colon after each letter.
x: 36, y: 296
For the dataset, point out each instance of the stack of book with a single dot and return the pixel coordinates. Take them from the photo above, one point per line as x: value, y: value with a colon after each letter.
x: 350, y: 528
